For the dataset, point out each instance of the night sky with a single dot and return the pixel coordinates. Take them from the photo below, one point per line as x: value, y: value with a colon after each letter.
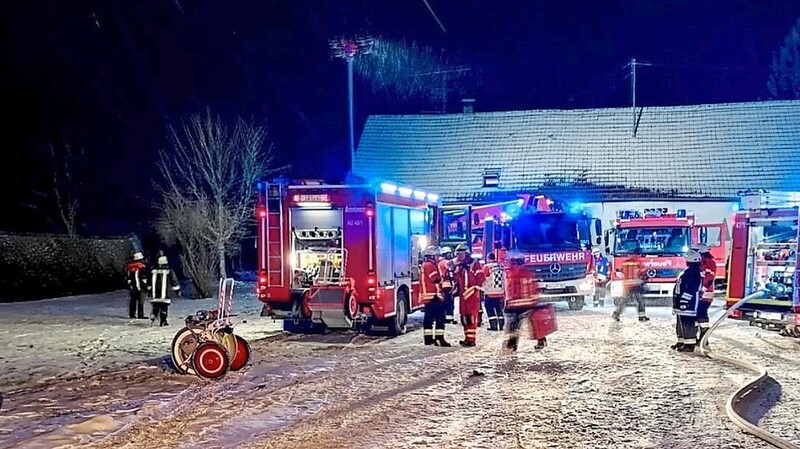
x: 106, y: 75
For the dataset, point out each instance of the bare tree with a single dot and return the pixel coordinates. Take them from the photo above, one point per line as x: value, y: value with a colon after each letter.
x: 62, y: 198
x: 209, y: 171
x: 784, y: 79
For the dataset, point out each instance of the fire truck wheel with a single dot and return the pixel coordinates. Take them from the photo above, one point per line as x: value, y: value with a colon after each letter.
x: 210, y: 360
x: 242, y: 357
x: 351, y: 307
x: 575, y: 303
x: 183, y: 345
x: 397, y: 323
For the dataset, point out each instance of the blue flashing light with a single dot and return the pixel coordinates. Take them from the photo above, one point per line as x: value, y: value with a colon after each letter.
x: 419, y: 194
x: 575, y: 207
x: 513, y: 211
x: 735, y: 207
x: 260, y: 185
x: 432, y: 197
x: 388, y: 188
x: 488, y: 217
x: 680, y: 213
x: 405, y: 192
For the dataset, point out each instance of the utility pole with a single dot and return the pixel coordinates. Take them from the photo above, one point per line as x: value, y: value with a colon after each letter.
x: 633, y: 65
x: 348, y: 49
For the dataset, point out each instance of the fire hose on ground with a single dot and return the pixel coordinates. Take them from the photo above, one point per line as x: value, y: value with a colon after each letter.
x: 761, y: 376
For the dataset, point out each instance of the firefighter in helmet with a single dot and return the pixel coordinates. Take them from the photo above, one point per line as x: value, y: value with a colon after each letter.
x: 685, y: 302
x: 136, y: 274
x: 430, y: 286
x: 446, y: 269
x: 600, y: 276
x: 632, y: 286
x: 708, y: 268
x: 469, y: 279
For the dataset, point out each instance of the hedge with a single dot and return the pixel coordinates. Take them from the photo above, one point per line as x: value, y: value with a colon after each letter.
x: 40, y: 266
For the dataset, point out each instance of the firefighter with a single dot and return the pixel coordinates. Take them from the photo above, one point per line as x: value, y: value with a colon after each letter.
x: 163, y: 282
x: 632, y: 286
x: 685, y: 302
x: 446, y: 268
x: 136, y: 274
x: 494, y: 291
x: 432, y: 299
x: 600, y: 276
x: 522, y: 296
x: 708, y: 267
x: 469, y: 278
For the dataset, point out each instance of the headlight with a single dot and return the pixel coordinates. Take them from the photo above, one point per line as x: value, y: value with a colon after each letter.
x: 616, y: 289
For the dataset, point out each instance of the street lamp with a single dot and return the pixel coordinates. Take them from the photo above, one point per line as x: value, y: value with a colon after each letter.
x: 348, y: 49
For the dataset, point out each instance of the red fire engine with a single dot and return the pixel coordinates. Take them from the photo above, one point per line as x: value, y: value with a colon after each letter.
x: 340, y: 256
x: 764, y: 256
x: 555, y: 243
x: 662, y: 239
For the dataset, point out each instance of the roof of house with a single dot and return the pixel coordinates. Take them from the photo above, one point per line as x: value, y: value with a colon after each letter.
x: 708, y: 151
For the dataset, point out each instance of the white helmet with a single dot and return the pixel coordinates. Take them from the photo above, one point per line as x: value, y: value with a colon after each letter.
x: 431, y: 251
x: 162, y: 260
x: 138, y: 255
x: 692, y: 256
x: 702, y: 248
x: 446, y: 250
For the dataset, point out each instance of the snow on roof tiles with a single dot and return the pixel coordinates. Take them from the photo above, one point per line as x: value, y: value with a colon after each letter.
x: 700, y: 151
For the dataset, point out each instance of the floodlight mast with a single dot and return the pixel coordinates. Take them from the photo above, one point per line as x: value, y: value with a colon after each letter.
x: 348, y: 49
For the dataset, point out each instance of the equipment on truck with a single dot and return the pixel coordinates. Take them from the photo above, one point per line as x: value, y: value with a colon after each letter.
x: 661, y: 239
x: 553, y: 240
x: 342, y: 256
x: 207, y: 346
x: 764, y: 256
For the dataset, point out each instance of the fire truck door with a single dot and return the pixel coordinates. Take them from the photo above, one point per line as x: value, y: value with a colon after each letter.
x: 716, y: 236
x: 609, y: 240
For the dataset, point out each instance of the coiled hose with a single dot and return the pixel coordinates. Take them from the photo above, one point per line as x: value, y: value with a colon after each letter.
x: 761, y: 377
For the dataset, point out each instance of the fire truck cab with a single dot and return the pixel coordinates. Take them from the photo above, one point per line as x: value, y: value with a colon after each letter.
x: 764, y: 257
x: 661, y: 240
x: 342, y: 256
x: 555, y: 242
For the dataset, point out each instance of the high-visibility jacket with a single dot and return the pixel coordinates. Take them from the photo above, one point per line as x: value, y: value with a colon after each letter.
x: 632, y: 272
x: 494, y: 285
x: 469, y: 277
x: 430, y: 282
x: 522, y: 290
x: 708, y: 267
x: 447, y: 273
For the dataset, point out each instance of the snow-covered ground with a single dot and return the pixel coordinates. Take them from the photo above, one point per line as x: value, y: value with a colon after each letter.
x: 598, y: 384
x: 68, y: 337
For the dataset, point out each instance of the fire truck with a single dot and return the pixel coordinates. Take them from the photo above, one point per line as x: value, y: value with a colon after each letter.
x: 555, y: 241
x: 662, y: 240
x: 764, y: 257
x: 342, y: 256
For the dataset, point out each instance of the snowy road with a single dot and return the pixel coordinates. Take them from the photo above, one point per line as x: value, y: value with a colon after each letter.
x: 599, y: 384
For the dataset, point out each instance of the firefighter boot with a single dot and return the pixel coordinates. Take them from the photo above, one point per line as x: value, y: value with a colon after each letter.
x: 676, y: 346
x: 644, y: 319
x: 467, y: 344
x: 440, y: 341
x: 512, y: 343
x: 541, y: 343
x: 686, y: 348
x: 428, y: 336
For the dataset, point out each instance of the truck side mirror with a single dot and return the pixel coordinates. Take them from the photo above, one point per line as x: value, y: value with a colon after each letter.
x: 598, y: 227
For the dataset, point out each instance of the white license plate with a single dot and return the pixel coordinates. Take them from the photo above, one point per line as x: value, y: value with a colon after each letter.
x: 557, y: 286
x: 770, y: 315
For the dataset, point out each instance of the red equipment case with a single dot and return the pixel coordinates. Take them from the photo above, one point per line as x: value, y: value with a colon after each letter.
x: 543, y: 321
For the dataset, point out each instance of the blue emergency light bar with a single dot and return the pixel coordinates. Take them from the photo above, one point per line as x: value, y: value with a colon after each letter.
x: 407, y: 192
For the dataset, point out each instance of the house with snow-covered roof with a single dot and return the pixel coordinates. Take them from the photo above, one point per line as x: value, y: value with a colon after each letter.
x: 694, y: 157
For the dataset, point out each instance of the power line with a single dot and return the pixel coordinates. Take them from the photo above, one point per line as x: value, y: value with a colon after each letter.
x: 434, y: 16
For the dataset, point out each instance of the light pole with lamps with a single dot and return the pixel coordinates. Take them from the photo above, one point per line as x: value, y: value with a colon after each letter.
x: 348, y: 49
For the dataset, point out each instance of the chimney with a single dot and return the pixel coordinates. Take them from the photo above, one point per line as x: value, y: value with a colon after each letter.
x: 469, y: 105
